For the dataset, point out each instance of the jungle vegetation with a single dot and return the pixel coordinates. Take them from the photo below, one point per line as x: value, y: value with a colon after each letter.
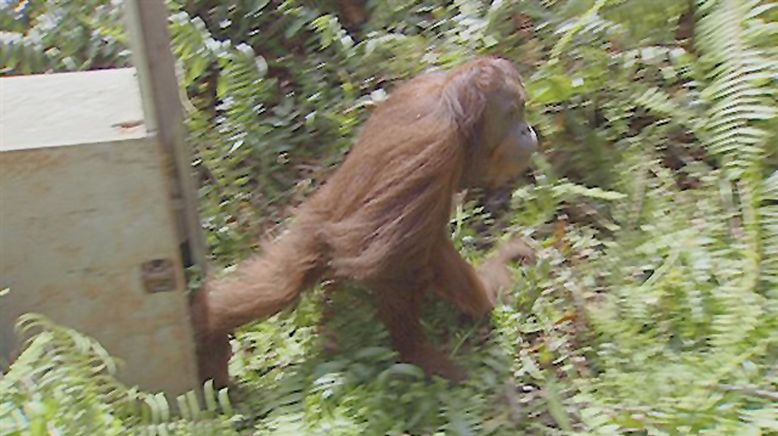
x: 654, y: 205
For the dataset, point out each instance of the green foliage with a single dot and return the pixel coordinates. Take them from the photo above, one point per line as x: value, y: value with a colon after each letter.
x: 739, y: 70
x: 654, y: 207
x: 54, y: 35
x: 63, y: 383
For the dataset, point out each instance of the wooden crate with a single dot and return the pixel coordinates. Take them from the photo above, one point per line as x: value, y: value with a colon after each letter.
x: 88, y: 228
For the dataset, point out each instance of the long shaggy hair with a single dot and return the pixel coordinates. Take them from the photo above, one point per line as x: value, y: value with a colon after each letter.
x: 384, y: 213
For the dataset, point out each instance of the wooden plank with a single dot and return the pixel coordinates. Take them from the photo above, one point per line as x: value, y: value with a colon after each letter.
x: 55, y: 110
x: 84, y: 214
x: 150, y: 39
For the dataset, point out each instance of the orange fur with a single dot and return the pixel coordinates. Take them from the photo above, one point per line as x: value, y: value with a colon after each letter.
x: 382, y: 218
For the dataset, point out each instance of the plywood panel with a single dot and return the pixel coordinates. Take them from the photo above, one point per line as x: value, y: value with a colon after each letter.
x: 51, y: 110
x: 77, y: 221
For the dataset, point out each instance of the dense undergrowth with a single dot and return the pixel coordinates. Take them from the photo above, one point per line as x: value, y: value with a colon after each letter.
x: 654, y: 206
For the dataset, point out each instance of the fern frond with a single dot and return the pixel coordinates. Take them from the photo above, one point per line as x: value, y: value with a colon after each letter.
x: 769, y: 220
x: 661, y: 103
x: 73, y: 373
x: 738, y: 70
